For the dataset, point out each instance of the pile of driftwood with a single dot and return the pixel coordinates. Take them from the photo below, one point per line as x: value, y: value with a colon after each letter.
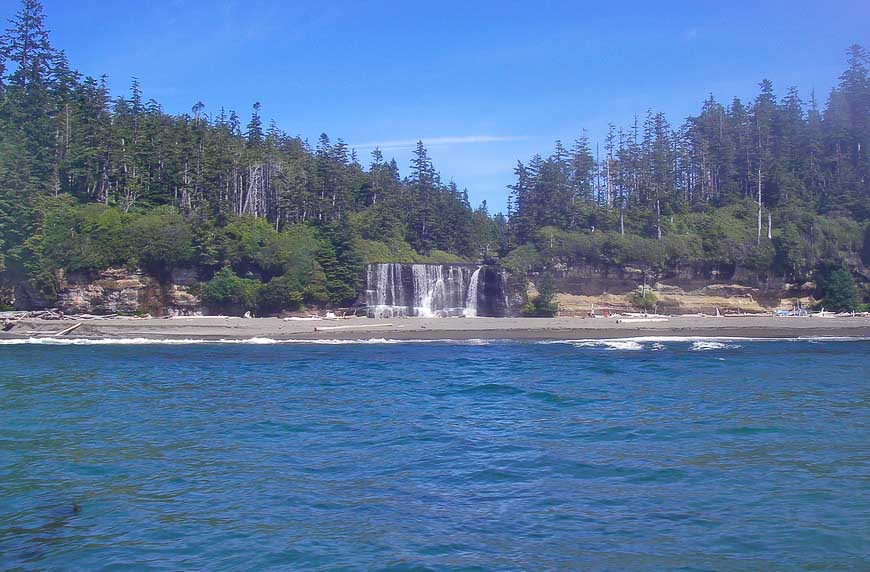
x: 52, y: 314
x: 9, y: 320
x: 8, y: 324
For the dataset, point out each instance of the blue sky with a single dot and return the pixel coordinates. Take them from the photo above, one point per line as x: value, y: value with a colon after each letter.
x: 482, y: 83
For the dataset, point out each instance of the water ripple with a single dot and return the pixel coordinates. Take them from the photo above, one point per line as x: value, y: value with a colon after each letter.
x: 643, y: 454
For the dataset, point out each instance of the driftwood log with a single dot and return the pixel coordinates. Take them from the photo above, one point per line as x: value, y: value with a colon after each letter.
x: 68, y: 330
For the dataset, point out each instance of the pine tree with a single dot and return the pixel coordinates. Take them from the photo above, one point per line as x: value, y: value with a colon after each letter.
x: 254, y: 132
x: 422, y: 182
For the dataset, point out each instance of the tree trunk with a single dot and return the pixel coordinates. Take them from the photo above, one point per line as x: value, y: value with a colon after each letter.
x: 758, y: 239
x: 659, y: 219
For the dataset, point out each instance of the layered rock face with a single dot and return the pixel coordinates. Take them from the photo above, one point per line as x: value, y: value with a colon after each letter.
x: 585, y: 287
x: 123, y: 291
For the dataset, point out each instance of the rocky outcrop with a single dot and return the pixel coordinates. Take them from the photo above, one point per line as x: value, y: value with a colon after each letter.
x: 709, y: 299
x: 687, y: 291
x: 27, y: 297
x: 123, y: 291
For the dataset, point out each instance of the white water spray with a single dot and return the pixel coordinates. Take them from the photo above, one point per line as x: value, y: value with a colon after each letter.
x: 424, y: 290
x: 471, y: 299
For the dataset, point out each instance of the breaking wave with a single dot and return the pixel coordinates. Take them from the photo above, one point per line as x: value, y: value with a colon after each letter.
x: 697, y: 343
x: 701, y: 346
x: 624, y: 345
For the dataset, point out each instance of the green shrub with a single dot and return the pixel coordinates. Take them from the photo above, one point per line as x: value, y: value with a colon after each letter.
x: 543, y: 305
x: 643, y: 298
x: 281, y: 293
x: 760, y: 257
x: 86, y: 237
x: 441, y: 257
x: 315, y: 291
x: 792, y: 251
x: 93, y: 237
x: 228, y: 292
x: 839, y: 291
x: 683, y: 249
x: 522, y: 259
x: 378, y: 223
x: 294, y: 250
x: 372, y: 251
x: 161, y: 240
x: 244, y: 240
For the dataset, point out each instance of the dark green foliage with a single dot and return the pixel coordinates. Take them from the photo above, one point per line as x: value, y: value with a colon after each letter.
x: 161, y: 240
x: 791, y: 255
x: 227, y: 292
x: 342, y: 264
x: 644, y: 299
x: 543, y: 306
x: 523, y: 259
x: 281, y: 293
x: 93, y: 237
x: 838, y: 289
x: 83, y: 237
x: 865, y: 252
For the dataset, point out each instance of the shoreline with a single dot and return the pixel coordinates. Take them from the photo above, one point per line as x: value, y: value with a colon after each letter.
x: 433, y: 329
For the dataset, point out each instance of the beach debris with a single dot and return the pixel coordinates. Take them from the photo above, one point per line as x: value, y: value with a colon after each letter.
x: 639, y: 320
x: 68, y: 330
x: 55, y: 314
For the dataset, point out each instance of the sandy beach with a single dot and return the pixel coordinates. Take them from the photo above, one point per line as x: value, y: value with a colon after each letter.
x: 217, y: 328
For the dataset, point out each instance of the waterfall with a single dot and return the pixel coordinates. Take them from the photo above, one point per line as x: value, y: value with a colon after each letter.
x: 424, y: 290
x: 471, y: 299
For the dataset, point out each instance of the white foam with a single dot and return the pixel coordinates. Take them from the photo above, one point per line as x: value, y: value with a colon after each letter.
x: 725, y: 339
x: 99, y: 341
x: 701, y: 346
x: 624, y: 345
x: 698, y: 343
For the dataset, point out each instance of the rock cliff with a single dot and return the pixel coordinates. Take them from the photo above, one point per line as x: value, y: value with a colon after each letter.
x: 123, y: 291
x: 688, y: 291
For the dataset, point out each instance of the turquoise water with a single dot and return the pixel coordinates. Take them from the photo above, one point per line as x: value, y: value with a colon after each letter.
x: 647, y: 455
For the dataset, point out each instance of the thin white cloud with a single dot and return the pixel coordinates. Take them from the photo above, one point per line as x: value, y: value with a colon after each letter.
x: 435, y: 141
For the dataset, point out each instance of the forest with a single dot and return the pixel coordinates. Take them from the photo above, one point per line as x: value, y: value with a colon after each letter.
x: 776, y: 187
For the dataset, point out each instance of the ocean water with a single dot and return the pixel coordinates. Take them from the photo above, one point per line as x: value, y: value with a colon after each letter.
x: 644, y: 454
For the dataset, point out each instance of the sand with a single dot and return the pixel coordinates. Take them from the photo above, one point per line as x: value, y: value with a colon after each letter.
x: 567, y: 328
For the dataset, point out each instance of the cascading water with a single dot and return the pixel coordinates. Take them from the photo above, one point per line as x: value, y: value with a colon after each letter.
x: 471, y: 298
x: 425, y: 290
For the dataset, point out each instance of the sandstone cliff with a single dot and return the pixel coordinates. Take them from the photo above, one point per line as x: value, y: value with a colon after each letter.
x: 123, y: 291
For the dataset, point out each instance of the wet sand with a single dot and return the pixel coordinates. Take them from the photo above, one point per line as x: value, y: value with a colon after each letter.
x: 568, y: 328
